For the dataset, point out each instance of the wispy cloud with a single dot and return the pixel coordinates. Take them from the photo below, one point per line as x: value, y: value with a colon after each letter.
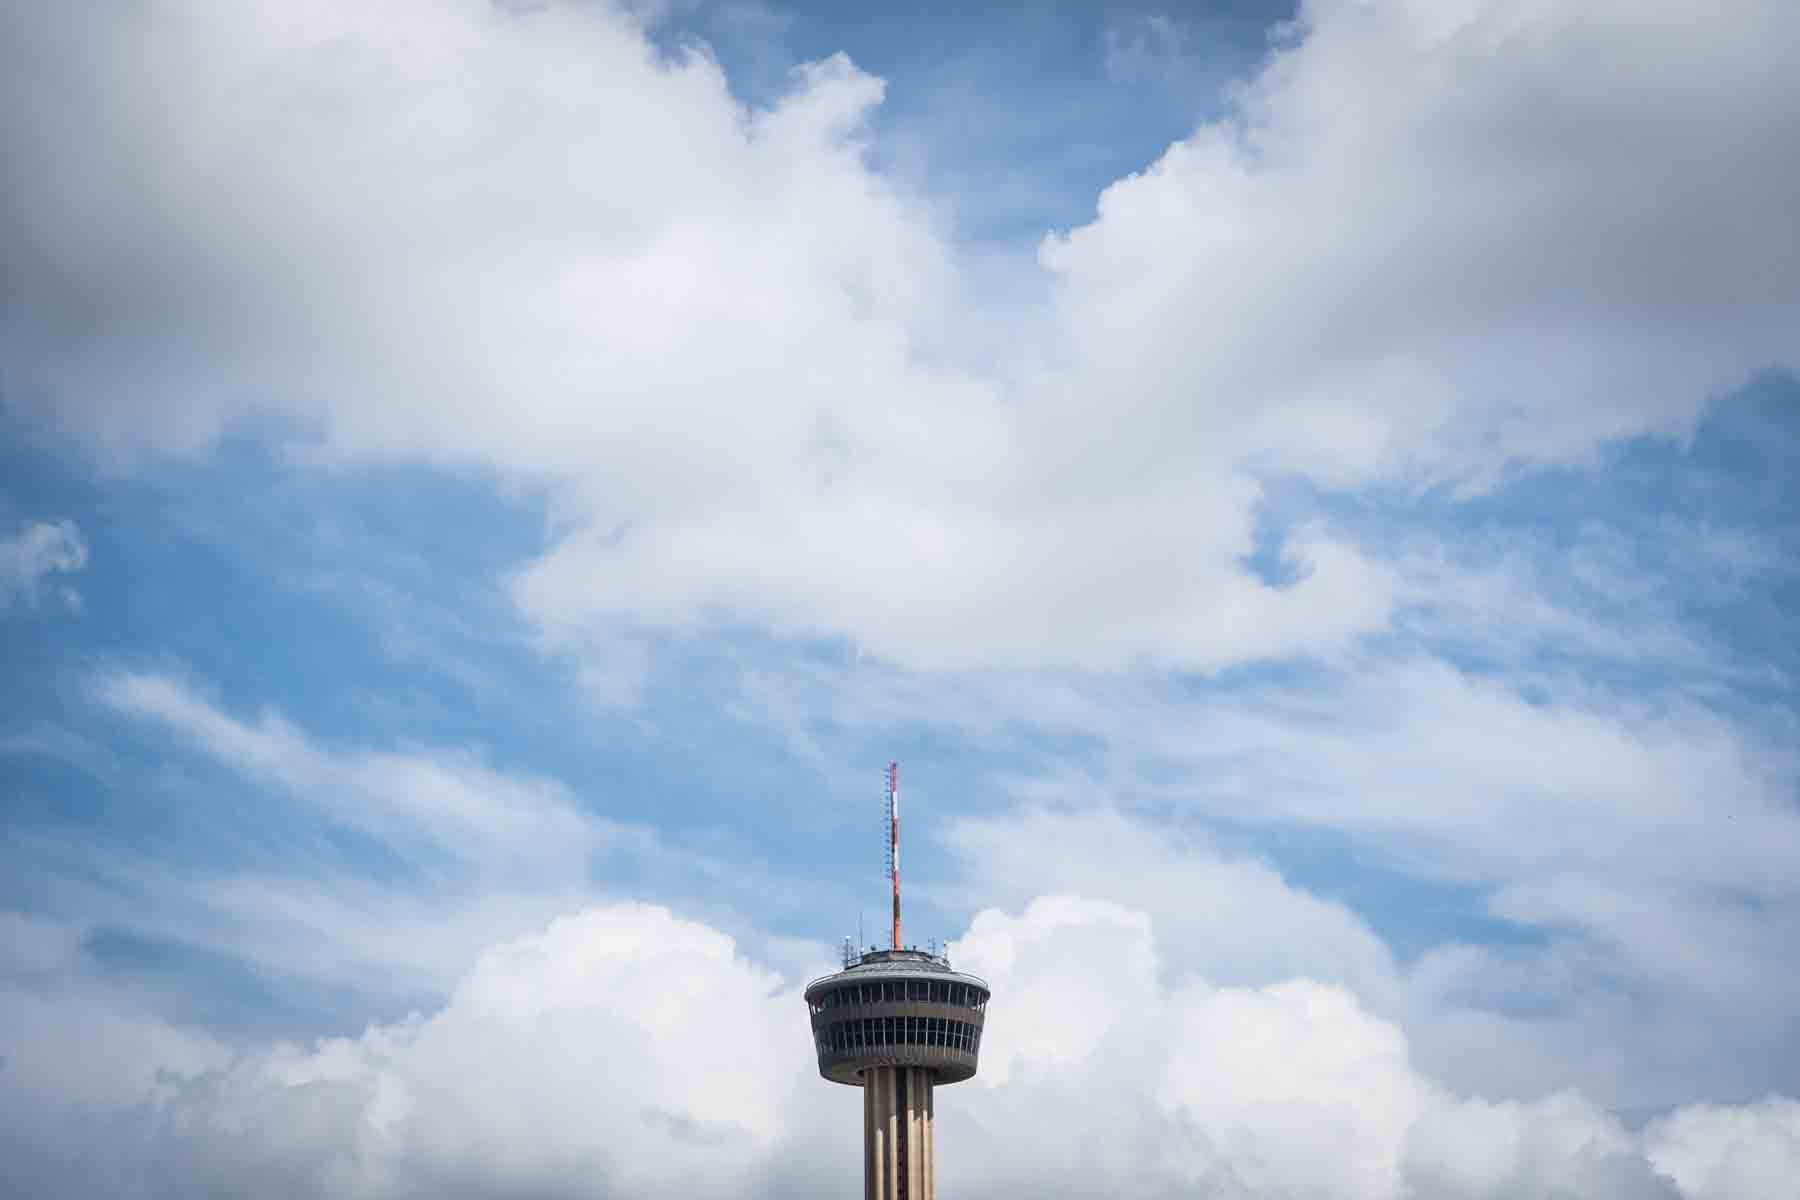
x: 335, y: 867
x: 1149, y: 47
x: 446, y: 802
x: 30, y: 558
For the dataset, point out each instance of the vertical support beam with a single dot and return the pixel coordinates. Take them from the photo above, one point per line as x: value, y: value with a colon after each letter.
x: 901, y: 1149
x: 871, y: 1146
x: 878, y: 1085
x: 890, y: 1095
x: 915, y: 1133
x: 930, y: 1142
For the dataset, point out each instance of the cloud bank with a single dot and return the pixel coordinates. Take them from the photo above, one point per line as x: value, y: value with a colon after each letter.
x: 623, y: 1051
x: 1427, y: 243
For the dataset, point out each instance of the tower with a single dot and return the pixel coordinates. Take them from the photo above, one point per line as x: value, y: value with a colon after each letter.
x: 897, y: 1023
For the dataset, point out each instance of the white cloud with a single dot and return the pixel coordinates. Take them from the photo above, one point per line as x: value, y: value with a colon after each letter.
x: 87, y: 1048
x: 1729, y: 1152
x: 618, y: 1052
x: 514, y: 237
x: 623, y: 1051
x: 1290, y: 1088
x: 1561, y: 1145
x: 1439, y: 236
x: 35, y: 553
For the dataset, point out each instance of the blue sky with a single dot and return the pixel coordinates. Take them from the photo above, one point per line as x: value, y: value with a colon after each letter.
x: 1070, y: 97
x: 1308, y: 498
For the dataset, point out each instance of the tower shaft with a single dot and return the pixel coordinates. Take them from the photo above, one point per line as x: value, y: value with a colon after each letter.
x: 898, y: 1159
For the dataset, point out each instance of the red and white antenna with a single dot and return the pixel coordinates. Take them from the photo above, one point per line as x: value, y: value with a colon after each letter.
x: 893, y: 814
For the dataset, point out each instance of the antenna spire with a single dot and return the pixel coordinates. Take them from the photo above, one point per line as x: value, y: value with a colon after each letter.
x: 893, y: 807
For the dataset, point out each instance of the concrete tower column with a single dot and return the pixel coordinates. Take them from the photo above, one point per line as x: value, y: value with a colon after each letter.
x: 871, y: 1148
x: 930, y: 1123
x: 897, y: 1157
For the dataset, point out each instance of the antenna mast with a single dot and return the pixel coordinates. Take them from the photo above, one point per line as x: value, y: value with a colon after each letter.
x: 893, y: 813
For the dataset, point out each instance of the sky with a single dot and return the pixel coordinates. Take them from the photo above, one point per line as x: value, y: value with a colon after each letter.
x: 1307, y: 494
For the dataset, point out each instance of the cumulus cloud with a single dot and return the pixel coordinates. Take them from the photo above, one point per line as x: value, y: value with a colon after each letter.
x: 1436, y: 237
x: 33, y: 555
x: 1729, y: 1152
x: 618, y: 1052
x: 1425, y: 240
x: 1560, y: 1145
x: 623, y: 1051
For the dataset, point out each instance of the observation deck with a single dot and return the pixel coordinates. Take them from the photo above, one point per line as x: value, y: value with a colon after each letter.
x: 897, y: 1008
